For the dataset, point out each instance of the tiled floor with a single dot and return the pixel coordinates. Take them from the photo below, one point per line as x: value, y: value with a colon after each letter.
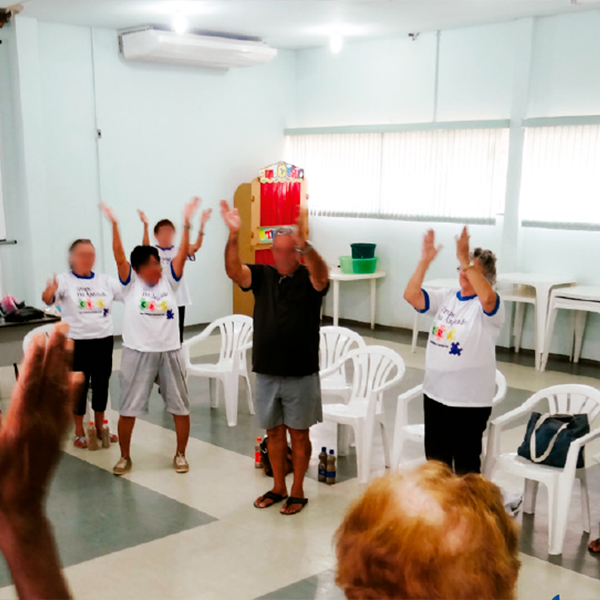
x: 156, y: 534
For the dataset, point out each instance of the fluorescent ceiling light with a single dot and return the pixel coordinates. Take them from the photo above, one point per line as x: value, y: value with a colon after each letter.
x: 336, y: 43
x: 180, y: 24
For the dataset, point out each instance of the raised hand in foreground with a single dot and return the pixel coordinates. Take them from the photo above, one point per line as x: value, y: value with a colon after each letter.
x: 30, y: 439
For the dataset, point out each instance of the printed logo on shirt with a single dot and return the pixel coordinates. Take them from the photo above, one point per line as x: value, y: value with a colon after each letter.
x: 155, y: 305
x: 445, y: 330
x: 91, y: 301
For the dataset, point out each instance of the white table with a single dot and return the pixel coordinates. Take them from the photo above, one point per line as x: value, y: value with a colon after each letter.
x: 432, y: 284
x: 543, y: 285
x: 336, y: 275
x: 581, y: 299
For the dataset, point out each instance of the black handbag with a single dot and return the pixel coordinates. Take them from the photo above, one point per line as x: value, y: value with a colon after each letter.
x: 266, y: 462
x: 24, y: 314
x: 548, y: 438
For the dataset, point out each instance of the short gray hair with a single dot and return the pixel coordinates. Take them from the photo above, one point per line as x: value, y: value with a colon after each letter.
x: 488, y: 261
x: 285, y: 230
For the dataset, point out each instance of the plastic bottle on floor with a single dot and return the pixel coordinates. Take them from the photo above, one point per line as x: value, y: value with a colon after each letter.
x: 92, y: 436
x: 105, y: 435
x: 323, y: 465
x: 257, y: 462
x: 331, y: 468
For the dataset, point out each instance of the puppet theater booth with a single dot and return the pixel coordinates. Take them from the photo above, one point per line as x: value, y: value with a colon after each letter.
x: 271, y: 200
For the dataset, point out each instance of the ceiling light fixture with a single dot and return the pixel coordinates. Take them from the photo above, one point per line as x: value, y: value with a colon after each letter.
x: 336, y: 43
x: 180, y: 24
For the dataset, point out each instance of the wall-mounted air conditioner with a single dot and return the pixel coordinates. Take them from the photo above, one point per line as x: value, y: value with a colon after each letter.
x: 155, y: 45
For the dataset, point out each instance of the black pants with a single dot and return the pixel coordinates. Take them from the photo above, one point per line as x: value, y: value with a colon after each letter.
x: 453, y: 435
x: 181, y: 322
x: 94, y: 359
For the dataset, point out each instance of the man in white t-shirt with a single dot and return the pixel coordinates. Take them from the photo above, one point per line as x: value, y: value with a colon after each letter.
x: 164, y: 232
x: 151, y: 344
x: 460, y: 369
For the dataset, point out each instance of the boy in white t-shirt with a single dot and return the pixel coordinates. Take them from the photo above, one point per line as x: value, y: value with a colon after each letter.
x: 164, y: 233
x: 460, y: 369
x: 151, y: 344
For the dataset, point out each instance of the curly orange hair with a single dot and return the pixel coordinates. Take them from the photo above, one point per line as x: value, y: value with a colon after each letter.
x: 428, y: 534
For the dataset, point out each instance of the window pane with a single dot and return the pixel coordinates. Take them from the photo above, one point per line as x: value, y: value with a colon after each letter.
x: 439, y: 173
x: 343, y: 171
x: 445, y: 173
x: 561, y: 174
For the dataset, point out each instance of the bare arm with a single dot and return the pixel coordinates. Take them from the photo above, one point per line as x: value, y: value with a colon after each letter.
x: 317, y: 267
x: 123, y: 266
x: 146, y: 236
x: 234, y: 268
x: 178, y: 262
x: 49, y: 294
x: 483, y: 288
x: 413, y: 293
x: 30, y: 440
x: 195, y: 247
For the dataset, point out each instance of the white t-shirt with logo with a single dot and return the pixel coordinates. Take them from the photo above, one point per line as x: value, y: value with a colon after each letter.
x: 86, y: 303
x: 151, y: 321
x: 460, y: 368
x: 166, y: 256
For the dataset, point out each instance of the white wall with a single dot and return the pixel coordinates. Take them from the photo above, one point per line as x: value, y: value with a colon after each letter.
x: 12, y: 257
x: 481, y: 76
x: 167, y: 133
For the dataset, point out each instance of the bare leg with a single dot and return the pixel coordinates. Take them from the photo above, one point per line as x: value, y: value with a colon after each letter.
x: 125, y: 430
x: 80, y: 441
x: 301, y: 451
x: 99, y: 420
x: 277, y: 445
x: 182, y: 429
x: 79, y: 430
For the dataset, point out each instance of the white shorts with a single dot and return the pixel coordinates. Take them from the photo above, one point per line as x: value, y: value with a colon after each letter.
x: 139, y: 372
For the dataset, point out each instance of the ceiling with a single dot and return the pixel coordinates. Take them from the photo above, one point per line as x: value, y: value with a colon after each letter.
x: 297, y: 23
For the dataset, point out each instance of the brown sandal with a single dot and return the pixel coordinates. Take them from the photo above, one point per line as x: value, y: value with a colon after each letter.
x: 301, y: 502
x: 594, y: 546
x: 275, y: 499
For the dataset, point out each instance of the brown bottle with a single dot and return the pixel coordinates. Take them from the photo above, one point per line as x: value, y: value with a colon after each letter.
x: 105, y: 435
x: 92, y: 437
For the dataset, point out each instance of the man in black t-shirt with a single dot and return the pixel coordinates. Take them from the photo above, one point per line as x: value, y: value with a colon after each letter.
x: 285, y: 351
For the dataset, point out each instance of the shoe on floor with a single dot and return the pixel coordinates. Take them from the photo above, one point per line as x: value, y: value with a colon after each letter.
x: 123, y: 466
x: 181, y: 464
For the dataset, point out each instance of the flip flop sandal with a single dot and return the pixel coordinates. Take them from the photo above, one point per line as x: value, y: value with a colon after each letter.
x: 291, y: 500
x: 270, y: 496
x: 594, y: 546
x: 80, y: 442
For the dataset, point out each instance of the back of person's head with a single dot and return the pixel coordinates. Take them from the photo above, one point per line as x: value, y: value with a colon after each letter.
x: 428, y: 534
x: 141, y: 256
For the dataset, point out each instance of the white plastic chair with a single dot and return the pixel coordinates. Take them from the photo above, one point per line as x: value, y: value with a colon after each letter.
x: 236, y: 339
x: 562, y: 399
x: 374, y: 368
x: 335, y: 343
x: 403, y: 431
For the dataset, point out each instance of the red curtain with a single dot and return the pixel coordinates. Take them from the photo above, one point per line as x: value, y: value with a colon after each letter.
x: 279, y: 202
x: 264, y: 257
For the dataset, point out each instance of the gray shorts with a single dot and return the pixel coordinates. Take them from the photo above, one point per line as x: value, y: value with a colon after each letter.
x: 139, y: 371
x: 291, y: 401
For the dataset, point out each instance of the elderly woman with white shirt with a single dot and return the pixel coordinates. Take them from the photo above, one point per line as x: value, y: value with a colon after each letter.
x: 86, y: 300
x: 460, y: 367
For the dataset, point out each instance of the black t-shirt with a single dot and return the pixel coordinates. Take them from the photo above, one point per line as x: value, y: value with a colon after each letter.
x: 287, y: 315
